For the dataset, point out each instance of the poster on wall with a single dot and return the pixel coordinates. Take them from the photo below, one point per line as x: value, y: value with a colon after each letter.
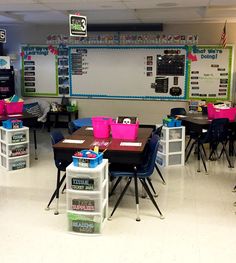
x: 39, y: 71
x: 210, y: 74
x: 137, y: 72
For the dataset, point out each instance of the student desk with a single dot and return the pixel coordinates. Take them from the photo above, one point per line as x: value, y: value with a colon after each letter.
x: 114, y: 151
x: 132, y: 155
x: 197, y: 122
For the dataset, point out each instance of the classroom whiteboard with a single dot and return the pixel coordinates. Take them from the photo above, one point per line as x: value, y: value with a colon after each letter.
x: 210, y: 75
x: 128, y: 72
x: 39, y: 71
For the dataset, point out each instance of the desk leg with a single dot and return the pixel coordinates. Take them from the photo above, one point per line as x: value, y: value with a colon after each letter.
x: 35, y: 145
x: 136, y: 193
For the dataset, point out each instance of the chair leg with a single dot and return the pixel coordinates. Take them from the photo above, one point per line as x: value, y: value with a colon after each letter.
x: 151, y: 185
x: 190, y: 139
x: 63, y: 189
x: 203, y: 161
x: 120, y: 197
x: 227, y: 156
x: 191, y: 148
x: 115, y: 185
x: 136, y: 194
x: 56, y: 192
x: 142, y: 180
x: 159, y: 172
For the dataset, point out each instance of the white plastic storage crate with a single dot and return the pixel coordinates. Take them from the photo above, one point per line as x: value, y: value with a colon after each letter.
x: 87, y: 198
x: 171, y: 150
x: 87, y: 223
x: 14, y: 136
x: 14, y: 148
x: 85, y: 202
x: 15, y: 163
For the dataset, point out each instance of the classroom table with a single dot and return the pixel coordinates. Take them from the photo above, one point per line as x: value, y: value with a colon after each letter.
x: 114, y: 149
x: 115, y: 152
x: 197, y: 122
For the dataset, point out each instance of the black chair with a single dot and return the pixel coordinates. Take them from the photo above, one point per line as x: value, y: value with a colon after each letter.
x: 57, y: 136
x: 158, y: 133
x: 141, y: 172
x: 71, y: 127
x: 216, y: 134
x: 177, y: 111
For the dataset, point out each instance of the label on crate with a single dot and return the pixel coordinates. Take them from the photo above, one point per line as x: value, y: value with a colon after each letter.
x: 18, y: 137
x: 82, y: 184
x: 18, y: 151
x: 19, y: 165
x: 84, y: 162
x: 83, y: 226
x: 83, y: 205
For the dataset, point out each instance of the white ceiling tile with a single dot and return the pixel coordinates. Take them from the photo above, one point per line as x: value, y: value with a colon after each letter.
x: 164, y: 3
x: 88, y: 6
x: 22, y: 7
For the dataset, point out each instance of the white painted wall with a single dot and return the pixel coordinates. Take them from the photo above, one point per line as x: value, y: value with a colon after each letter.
x: 147, y: 111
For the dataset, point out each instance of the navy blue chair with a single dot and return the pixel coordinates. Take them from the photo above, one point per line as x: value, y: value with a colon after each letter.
x: 57, y: 136
x: 82, y: 122
x: 141, y: 172
x: 177, y: 111
x: 216, y: 134
x: 71, y: 127
x: 157, y: 131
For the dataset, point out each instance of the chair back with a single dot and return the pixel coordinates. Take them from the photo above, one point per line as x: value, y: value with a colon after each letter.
x: 218, y: 130
x: 71, y: 127
x: 177, y: 111
x: 56, y: 136
x: 147, y: 168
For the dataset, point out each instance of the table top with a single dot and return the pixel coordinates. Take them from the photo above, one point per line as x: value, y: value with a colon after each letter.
x: 115, y: 151
x: 24, y: 115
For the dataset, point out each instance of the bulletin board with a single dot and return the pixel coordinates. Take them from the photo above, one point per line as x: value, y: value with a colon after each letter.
x: 210, y: 72
x: 39, y: 71
x: 128, y: 72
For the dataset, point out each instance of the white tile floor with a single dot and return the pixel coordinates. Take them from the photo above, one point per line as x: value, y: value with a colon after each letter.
x: 199, y: 224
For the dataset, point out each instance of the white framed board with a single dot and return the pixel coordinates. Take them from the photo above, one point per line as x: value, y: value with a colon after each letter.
x: 39, y: 71
x: 141, y: 72
x: 210, y: 73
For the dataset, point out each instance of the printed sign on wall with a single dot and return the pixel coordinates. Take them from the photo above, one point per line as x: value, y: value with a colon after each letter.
x: 210, y: 73
x: 78, y: 25
x: 2, y: 36
x: 4, y: 62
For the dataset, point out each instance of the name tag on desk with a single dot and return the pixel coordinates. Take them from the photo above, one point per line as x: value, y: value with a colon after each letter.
x: 135, y: 144
x: 73, y: 141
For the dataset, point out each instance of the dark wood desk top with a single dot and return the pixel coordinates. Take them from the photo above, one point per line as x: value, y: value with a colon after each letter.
x: 109, y: 143
x: 24, y: 115
x: 114, y: 151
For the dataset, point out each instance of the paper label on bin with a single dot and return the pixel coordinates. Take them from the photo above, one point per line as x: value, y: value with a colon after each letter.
x: 73, y: 141
x: 136, y: 144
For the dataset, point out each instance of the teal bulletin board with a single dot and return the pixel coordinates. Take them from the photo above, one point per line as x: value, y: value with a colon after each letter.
x: 39, y: 71
x: 129, y: 72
